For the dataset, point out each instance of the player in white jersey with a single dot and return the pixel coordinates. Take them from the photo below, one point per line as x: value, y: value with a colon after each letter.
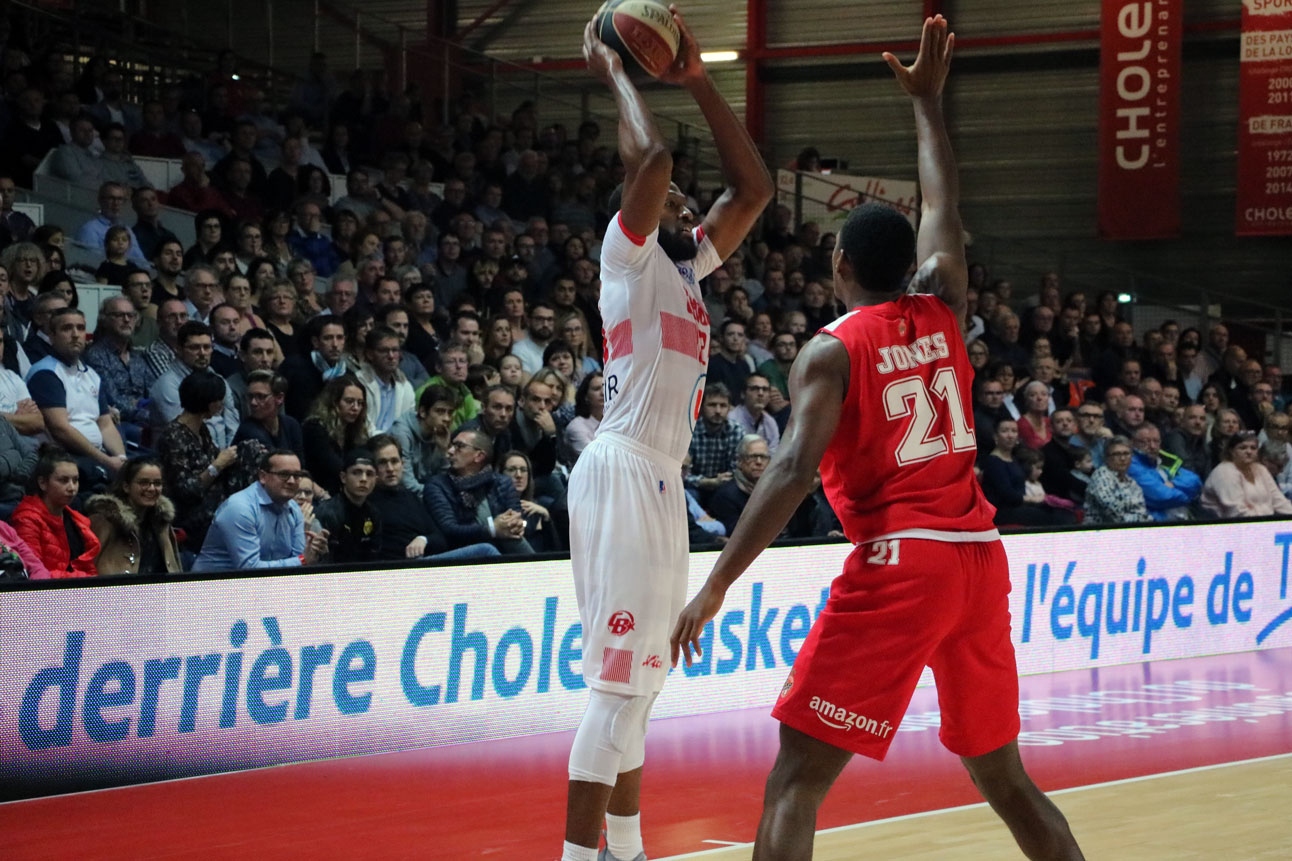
x: 628, y: 535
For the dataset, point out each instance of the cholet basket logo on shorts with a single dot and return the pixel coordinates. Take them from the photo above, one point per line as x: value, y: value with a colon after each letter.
x: 621, y: 622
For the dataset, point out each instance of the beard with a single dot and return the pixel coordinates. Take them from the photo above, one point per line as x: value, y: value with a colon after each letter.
x: 678, y: 244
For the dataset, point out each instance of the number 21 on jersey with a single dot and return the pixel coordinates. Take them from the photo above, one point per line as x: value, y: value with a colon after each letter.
x: 887, y: 552
x: 912, y: 398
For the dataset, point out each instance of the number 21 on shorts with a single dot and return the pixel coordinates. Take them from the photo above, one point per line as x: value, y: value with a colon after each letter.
x: 885, y: 552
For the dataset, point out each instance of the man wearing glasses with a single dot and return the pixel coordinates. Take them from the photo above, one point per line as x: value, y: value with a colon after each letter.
x: 262, y: 526
x: 752, y: 415
x: 730, y: 498
x: 1092, y: 433
x: 471, y: 503
x: 988, y: 410
x: 122, y: 369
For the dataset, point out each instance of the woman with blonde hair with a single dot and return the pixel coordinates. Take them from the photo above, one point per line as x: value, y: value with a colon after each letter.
x: 572, y: 328
x: 26, y: 266
x: 302, y: 276
x: 562, y: 396
x: 337, y: 422
x: 278, y: 304
x: 1034, y: 429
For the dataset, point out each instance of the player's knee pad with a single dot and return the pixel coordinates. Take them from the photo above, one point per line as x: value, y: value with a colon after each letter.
x: 613, y: 725
x: 635, y: 753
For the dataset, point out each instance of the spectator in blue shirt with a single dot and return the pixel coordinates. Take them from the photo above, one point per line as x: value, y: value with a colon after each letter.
x: 262, y: 526
x: 1167, y: 494
x: 112, y: 200
x: 309, y: 242
x: 73, y: 401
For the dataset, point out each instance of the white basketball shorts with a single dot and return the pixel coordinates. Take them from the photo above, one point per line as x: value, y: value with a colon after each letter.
x: 629, y: 551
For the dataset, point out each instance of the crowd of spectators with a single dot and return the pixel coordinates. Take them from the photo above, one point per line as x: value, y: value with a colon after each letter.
x: 412, y: 370
x: 1078, y: 420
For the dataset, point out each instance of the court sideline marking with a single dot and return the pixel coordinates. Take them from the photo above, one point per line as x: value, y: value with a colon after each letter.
x: 725, y: 846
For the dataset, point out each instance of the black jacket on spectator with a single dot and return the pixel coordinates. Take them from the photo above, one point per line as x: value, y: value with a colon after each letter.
x: 984, y: 426
x: 404, y: 517
x: 1106, y: 370
x: 1193, y: 450
x: 151, y: 236
x: 524, y: 199
x: 224, y: 364
x: 259, y: 176
x: 35, y: 346
x: 1016, y: 354
x: 530, y: 439
x: 289, y: 435
x: 730, y: 374
x: 22, y: 140
x: 354, y: 531
x: 1056, y: 471
x: 323, y: 458
x: 727, y: 503
x: 304, y: 382
x: 457, y: 520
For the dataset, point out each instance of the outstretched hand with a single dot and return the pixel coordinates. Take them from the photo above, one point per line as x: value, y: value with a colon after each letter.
x: 688, y: 66
x: 602, y: 61
x: 924, y: 78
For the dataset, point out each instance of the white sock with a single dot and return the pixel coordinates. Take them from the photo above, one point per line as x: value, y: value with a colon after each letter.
x: 624, y: 836
x: 573, y: 852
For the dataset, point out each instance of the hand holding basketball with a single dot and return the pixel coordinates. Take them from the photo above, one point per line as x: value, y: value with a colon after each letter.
x: 602, y: 61
x: 924, y: 78
x: 688, y: 66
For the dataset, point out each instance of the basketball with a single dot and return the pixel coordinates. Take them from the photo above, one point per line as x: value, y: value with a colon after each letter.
x: 642, y: 32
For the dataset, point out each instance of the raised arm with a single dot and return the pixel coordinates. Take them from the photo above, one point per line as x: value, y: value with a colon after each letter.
x: 940, y: 242
x: 749, y: 185
x: 648, y: 162
x: 818, y: 383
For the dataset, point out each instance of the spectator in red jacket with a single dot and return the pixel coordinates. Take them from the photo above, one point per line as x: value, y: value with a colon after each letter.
x: 61, y: 537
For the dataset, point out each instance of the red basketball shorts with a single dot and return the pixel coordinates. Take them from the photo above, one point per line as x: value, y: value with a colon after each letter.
x: 892, y: 612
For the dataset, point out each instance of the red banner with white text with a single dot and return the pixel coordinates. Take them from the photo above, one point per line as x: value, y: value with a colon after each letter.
x: 1265, y: 120
x: 1139, y: 118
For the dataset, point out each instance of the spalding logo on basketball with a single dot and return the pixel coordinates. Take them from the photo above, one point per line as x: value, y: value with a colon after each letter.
x: 642, y: 32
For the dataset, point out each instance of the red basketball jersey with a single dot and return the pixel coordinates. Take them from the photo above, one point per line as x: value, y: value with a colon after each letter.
x: 901, y: 460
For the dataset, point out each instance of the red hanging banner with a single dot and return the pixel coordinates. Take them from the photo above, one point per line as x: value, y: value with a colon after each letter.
x: 1265, y: 120
x: 1139, y: 119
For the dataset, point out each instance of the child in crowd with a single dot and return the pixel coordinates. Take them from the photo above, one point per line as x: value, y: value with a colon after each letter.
x: 116, y: 268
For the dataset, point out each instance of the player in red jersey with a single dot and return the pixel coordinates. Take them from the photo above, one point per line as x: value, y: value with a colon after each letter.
x: 882, y: 404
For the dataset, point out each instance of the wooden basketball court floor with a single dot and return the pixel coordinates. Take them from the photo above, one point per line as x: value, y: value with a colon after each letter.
x: 1165, y: 760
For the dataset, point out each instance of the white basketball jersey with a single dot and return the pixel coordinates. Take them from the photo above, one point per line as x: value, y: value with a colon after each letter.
x: 656, y: 339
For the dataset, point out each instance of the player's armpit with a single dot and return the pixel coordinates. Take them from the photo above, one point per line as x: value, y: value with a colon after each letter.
x: 947, y: 277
